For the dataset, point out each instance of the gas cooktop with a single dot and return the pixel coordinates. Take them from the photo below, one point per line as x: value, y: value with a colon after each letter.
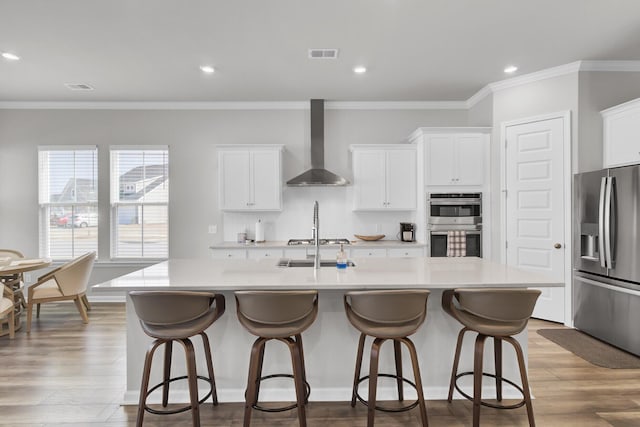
x: 295, y: 242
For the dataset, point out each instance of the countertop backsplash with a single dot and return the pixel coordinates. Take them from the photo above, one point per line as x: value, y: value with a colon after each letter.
x: 337, y: 219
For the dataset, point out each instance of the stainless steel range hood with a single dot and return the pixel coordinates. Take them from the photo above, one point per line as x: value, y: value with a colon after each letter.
x: 317, y: 175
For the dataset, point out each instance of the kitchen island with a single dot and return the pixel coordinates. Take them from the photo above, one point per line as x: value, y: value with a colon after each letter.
x: 331, y: 342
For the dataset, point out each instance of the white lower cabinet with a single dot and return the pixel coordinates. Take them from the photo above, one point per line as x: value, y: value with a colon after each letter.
x: 326, y: 253
x: 295, y: 253
x: 265, y: 253
x: 368, y: 252
x: 405, y: 252
x: 228, y: 253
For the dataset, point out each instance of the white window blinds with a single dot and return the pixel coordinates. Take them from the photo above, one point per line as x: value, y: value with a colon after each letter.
x: 140, y: 202
x: 68, y: 200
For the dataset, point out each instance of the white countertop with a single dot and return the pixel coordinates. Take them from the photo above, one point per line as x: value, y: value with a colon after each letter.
x: 283, y: 244
x: 369, y: 273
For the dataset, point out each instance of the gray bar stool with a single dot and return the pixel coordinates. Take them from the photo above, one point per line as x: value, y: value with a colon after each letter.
x: 500, y: 314
x: 282, y: 316
x: 170, y: 316
x: 387, y: 315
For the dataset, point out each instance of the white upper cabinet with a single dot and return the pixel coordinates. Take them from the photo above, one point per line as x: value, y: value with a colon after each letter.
x: 250, y: 177
x: 453, y: 156
x: 622, y: 134
x: 384, y: 177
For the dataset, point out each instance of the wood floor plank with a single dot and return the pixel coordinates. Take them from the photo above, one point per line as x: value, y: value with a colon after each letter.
x: 66, y: 373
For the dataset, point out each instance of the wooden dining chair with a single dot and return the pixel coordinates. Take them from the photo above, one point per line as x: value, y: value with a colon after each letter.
x: 7, y: 312
x: 14, y: 281
x: 67, y: 282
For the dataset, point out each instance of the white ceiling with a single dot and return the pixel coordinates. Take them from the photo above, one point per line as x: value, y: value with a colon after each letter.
x: 415, y: 50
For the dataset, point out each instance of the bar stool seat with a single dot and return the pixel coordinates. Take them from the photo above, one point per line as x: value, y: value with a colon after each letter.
x: 500, y: 314
x: 282, y: 316
x: 170, y: 316
x: 387, y: 315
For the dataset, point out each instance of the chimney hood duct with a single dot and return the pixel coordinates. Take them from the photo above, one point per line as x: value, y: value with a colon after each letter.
x: 317, y: 175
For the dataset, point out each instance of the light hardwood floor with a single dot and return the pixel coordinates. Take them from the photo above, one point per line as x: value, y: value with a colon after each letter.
x: 69, y: 374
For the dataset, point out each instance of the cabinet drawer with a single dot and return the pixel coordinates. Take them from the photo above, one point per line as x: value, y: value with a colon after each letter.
x: 365, y: 252
x: 264, y: 253
x: 228, y: 253
x: 406, y: 252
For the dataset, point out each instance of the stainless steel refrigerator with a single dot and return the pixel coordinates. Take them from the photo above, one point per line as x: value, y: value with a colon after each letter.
x: 606, y: 279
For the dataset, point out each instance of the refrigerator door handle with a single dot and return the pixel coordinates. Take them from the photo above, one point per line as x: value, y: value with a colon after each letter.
x: 601, y: 233
x: 607, y: 223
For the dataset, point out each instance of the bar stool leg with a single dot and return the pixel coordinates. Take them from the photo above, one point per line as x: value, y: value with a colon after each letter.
x: 497, y: 354
x: 523, y: 378
x: 192, y: 376
x: 456, y: 360
x: 207, y: 355
x: 298, y: 339
x: 418, y: 380
x: 168, y: 350
x: 477, y: 378
x: 373, y: 380
x: 251, y: 394
x: 397, y: 349
x: 296, y: 361
x: 358, y: 369
x: 144, y: 385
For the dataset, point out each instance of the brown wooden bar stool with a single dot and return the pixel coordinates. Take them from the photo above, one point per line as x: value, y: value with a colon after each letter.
x: 387, y: 315
x: 282, y: 316
x: 170, y: 316
x: 496, y: 313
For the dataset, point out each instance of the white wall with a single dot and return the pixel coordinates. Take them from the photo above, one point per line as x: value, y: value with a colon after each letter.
x: 192, y: 136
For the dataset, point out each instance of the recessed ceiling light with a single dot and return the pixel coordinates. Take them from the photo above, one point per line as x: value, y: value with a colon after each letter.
x: 360, y: 69
x: 511, y: 69
x: 10, y: 56
x: 207, y: 69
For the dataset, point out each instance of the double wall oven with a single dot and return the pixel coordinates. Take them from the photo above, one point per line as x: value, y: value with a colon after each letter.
x: 455, y: 212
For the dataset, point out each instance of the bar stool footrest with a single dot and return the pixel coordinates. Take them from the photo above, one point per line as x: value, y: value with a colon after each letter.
x: 382, y: 408
x: 182, y: 408
x: 488, y: 404
x: 282, y: 408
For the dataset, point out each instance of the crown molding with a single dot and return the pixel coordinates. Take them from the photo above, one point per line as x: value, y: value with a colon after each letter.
x: 396, y: 105
x: 561, y: 70
x: 295, y: 105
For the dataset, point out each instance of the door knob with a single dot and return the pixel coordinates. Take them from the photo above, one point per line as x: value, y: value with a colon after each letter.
x: 557, y: 246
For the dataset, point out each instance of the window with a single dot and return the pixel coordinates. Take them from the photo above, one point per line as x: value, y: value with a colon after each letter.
x: 140, y: 202
x: 68, y: 200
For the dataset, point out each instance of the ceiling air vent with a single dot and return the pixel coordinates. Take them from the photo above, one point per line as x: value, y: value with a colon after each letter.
x: 78, y: 86
x: 323, y: 53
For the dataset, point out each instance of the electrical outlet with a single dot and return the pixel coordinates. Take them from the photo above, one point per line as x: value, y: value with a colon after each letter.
x: 213, y: 229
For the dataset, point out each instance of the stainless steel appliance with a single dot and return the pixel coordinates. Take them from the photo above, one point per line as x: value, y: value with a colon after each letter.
x: 407, y: 232
x: 606, y: 279
x: 455, y: 211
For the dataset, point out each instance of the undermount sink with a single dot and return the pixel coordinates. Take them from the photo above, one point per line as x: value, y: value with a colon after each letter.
x: 287, y: 262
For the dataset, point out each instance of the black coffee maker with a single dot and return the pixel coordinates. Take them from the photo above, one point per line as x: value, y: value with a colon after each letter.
x: 407, y: 232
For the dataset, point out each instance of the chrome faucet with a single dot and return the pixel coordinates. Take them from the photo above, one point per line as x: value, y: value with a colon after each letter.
x: 316, y: 235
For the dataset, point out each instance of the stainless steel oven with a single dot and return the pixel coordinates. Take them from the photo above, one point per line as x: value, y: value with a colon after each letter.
x: 455, y: 212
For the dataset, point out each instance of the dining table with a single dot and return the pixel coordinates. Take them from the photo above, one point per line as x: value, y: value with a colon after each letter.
x: 10, y: 276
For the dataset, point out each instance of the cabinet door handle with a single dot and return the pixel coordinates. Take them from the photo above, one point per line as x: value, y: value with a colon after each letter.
x: 228, y: 255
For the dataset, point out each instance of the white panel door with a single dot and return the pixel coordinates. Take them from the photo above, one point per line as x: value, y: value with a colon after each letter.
x: 470, y: 156
x: 441, y: 160
x: 369, y: 179
x: 266, y: 179
x: 401, y: 179
x: 535, y: 206
x: 234, y: 179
